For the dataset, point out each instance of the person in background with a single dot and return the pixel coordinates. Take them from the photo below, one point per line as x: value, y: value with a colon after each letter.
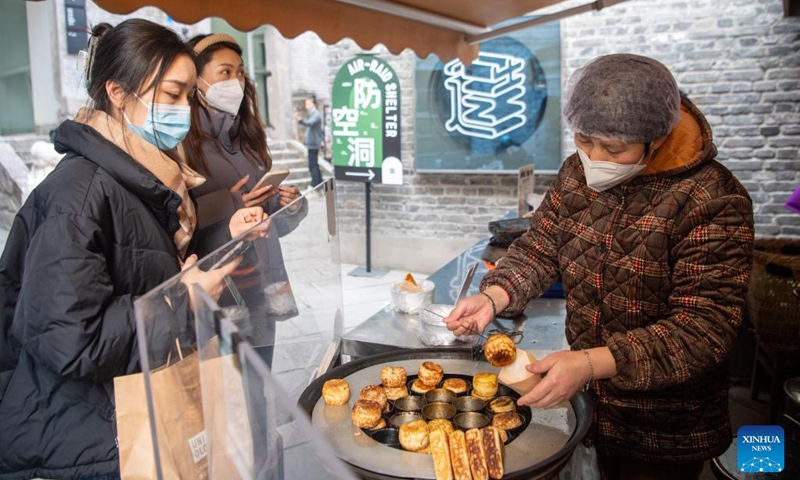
x: 114, y: 220
x: 314, y: 137
x: 228, y: 145
x: 652, y: 239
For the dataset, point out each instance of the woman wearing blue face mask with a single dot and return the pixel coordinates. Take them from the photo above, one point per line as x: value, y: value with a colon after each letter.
x: 110, y: 223
x: 652, y: 240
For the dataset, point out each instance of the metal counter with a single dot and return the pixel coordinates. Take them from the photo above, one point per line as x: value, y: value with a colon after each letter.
x: 542, y: 322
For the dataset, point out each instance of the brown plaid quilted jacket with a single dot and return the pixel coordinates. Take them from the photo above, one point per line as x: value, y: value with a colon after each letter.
x: 655, y: 269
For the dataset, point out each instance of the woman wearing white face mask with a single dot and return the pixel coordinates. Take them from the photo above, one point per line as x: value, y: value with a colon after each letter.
x: 652, y: 240
x: 227, y: 144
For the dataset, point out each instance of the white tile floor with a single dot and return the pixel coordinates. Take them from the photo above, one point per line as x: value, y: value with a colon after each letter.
x: 365, y: 296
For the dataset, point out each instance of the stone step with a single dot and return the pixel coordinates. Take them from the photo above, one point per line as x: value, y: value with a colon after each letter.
x: 281, y: 154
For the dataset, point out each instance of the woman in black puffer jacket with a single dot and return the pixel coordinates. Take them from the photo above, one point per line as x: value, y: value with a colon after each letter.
x: 114, y: 220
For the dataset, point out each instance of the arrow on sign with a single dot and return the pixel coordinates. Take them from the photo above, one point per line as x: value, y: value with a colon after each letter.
x: 369, y: 173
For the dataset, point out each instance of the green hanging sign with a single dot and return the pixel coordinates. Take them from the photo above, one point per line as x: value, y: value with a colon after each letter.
x: 365, y: 111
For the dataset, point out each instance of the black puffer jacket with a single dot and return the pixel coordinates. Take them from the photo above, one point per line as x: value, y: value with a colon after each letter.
x: 94, y: 235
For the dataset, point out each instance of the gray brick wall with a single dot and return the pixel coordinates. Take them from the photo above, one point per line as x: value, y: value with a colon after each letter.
x: 737, y: 59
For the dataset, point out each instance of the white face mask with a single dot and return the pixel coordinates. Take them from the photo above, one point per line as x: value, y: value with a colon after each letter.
x: 225, y: 96
x: 601, y: 176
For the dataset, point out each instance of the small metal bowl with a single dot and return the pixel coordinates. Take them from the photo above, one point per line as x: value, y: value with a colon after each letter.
x: 469, y: 404
x: 411, y: 403
x: 404, y: 417
x: 432, y: 411
x: 442, y: 395
x: 387, y: 436
x: 468, y: 420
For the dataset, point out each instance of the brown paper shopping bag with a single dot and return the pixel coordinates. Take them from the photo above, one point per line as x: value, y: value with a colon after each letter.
x: 181, y: 437
x: 228, y: 422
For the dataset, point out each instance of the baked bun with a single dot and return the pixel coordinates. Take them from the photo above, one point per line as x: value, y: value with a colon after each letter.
x: 502, y: 404
x: 381, y: 424
x: 430, y: 373
x: 419, y: 387
x: 500, y: 350
x: 506, y: 420
x: 455, y: 385
x: 376, y: 394
x: 366, y: 414
x: 393, y: 376
x: 414, y: 435
x: 484, y: 385
x: 336, y: 391
x: 441, y: 424
x: 393, y: 393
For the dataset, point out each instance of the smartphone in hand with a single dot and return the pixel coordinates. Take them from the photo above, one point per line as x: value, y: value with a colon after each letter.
x: 272, y: 178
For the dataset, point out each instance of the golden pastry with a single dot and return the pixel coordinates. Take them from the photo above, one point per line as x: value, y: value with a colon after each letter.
x: 455, y: 385
x: 503, y: 435
x: 494, y: 451
x: 419, y: 387
x: 381, y: 424
x: 500, y: 350
x: 440, y: 451
x: 502, y: 404
x: 336, y: 392
x: 376, y: 394
x: 366, y: 414
x: 393, y: 376
x: 393, y: 393
x: 414, y: 435
x: 459, y: 459
x: 506, y: 420
x: 430, y: 373
x: 441, y: 424
x: 477, y: 454
x: 410, y: 284
x: 484, y: 385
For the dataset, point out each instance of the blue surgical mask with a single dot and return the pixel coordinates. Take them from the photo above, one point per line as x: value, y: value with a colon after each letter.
x: 165, y: 125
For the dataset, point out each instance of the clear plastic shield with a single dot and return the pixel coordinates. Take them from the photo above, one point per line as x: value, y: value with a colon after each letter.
x: 278, y: 290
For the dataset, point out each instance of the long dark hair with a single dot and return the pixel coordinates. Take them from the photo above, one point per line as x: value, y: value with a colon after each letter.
x: 248, y: 129
x: 129, y: 54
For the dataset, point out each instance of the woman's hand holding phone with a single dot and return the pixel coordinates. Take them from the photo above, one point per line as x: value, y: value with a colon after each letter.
x: 212, y: 281
x: 257, y: 196
x: 288, y: 193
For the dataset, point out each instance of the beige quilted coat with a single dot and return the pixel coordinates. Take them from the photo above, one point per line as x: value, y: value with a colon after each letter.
x: 655, y: 269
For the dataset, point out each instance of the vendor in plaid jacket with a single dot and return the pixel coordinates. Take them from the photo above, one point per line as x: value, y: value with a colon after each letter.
x: 652, y: 239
